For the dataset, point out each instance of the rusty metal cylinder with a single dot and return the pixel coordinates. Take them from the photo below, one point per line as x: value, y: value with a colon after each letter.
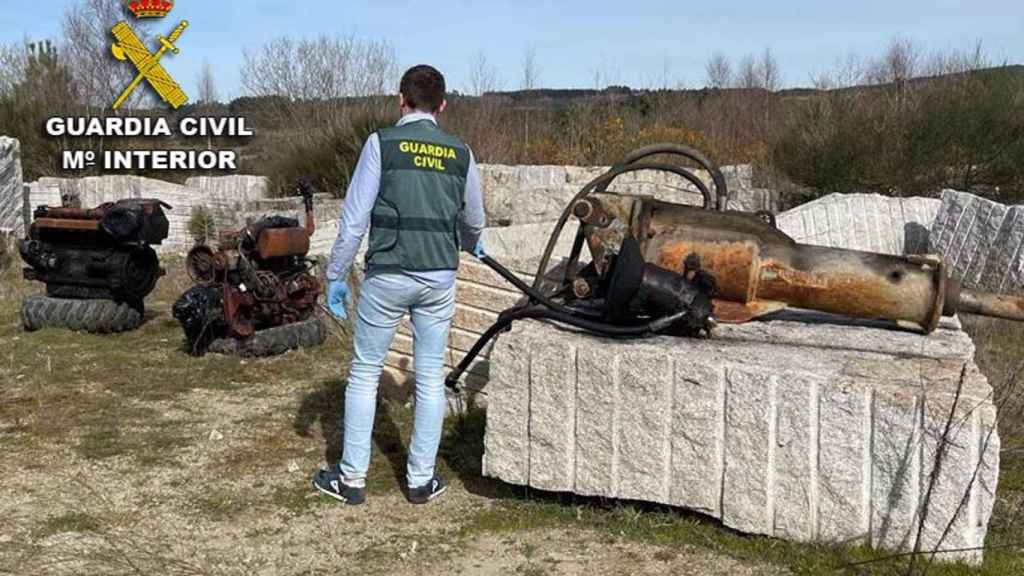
x: 754, y: 264
x: 995, y: 305
x: 907, y: 290
x: 735, y: 265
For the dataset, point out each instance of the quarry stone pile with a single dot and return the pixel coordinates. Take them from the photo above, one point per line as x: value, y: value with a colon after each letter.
x: 521, y: 201
x: 834, y: 439
x: 983, y: 241
x: 12, y: 217
x: 868, y: 222
x: 515, y: 195
x: 226, y: 191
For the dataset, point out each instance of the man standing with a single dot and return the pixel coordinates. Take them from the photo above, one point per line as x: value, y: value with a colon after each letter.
x: 417, y: 190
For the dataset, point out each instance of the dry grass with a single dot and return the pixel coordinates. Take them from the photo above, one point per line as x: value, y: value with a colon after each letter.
x: 123, y: 455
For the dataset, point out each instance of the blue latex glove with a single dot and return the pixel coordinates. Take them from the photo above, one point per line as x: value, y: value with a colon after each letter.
x: 478, y: 251
x: 338, y: 299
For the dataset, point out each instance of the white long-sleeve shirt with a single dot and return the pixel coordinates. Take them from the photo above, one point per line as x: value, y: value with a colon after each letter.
x: 362, y: 196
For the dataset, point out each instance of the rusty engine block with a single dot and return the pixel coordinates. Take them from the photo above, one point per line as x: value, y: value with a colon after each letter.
x: 104, y: 253
x: 256, y: 278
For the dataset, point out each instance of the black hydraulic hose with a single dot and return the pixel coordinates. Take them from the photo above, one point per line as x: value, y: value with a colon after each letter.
x: 721, y: 189
x: 538, y: 312
x: 602, y: 182
x: 534, y: 294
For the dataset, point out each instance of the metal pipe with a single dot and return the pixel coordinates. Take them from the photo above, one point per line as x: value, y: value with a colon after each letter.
x: 994, y: 305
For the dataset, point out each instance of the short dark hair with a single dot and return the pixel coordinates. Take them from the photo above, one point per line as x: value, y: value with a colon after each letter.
x: 423, y: 88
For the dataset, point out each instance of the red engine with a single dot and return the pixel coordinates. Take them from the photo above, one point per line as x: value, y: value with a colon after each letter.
x: 256, y: 278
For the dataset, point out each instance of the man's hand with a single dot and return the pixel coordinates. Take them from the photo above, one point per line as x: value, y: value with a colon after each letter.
x: 478, y: 251
x: 338, y: 299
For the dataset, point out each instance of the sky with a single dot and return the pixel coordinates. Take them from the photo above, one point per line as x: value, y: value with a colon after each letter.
x: 639, y: 43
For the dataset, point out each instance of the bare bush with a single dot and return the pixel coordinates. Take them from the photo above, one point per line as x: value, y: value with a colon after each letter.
x: 206, y: 85
x: 749, y: 75
x: 900, y: 62
x: 99, y: 78
x: 483, y: 77
x: 759, y: 72
x: 13, y: 62
x: 322, y: 68
x: 531, y: 71
x: 314, y: 92
x: 719, y: 71
x: 771, y: 77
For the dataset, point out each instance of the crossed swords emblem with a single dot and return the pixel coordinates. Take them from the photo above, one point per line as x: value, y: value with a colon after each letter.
x: 129, y: 47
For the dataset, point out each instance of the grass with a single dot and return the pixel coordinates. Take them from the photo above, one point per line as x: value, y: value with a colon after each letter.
x: 66, y: 523
x: 137, y: 401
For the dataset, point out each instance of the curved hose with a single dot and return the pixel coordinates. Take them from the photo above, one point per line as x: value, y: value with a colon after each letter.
x: 541, y: 313
x: 534, y: 294
x: 601, y: 183
x: 631, y: 164
x: 721, y: 189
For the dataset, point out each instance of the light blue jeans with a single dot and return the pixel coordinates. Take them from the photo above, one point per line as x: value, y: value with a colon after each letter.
x: 384, y: 299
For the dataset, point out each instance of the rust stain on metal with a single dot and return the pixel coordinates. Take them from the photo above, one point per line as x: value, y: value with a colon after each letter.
x: 728, y: 312
x: 849, y: 293
x: 279, y: 242
x: 62, y: 224
x: 733, y: 264
x: 997, y: 305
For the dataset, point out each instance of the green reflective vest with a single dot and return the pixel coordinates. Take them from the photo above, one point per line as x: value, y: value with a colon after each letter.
x: 415, y: 222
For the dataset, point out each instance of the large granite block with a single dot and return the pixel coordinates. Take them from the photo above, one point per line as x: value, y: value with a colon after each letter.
x: 12, y: 217
x: 982, y: 240
x: 517, y: 195
x: 868, y: 222
x: 799, y: 429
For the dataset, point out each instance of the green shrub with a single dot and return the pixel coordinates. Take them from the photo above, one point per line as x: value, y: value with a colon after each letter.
x: 202, y: 224
x: 46, y: 89
x: 328, y: 156
x: 963, y: 131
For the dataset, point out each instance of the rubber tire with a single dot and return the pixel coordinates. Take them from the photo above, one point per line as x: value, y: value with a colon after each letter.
x: 93, y: 316
x: 274, y: 341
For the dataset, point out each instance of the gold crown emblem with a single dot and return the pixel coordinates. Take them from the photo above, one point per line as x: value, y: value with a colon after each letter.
x: 150, y: 8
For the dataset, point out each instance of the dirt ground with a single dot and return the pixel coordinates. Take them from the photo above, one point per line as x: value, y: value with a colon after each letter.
x: 123, y: 455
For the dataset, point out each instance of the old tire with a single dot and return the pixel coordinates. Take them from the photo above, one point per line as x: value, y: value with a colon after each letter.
x: 93, y: 316
x: 274, y: 341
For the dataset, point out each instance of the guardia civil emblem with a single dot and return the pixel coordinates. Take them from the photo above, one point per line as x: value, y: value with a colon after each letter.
x: 128, y: 47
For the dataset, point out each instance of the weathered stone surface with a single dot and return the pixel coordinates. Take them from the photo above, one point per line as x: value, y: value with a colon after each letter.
x: 12, y: 217
x: 523, y: 240
x: 869, y: 222
x: 983, y: 240
x: 40, y: 194
x: 597, y: 436
x: 697, y: 456
x: 236, y: 190
x: 515, y: 195
x: 835, y: 440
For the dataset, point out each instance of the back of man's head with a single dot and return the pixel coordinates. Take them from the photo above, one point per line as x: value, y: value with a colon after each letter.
x: 423, y: 88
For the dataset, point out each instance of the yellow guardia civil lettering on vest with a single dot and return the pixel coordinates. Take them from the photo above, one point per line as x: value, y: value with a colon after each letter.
x: 427, y: 155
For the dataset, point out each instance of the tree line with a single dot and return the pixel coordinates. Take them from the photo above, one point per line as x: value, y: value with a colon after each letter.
x: 900, y: 122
